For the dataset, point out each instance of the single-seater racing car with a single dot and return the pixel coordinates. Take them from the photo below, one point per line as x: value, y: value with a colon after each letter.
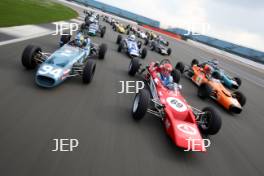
x: 210, y: 86
x: 227, y: 80
x: 181, y: 121
x: 158, y: 46
x: 71, y: 60
x: 93, y: 29
x: 131, y: 46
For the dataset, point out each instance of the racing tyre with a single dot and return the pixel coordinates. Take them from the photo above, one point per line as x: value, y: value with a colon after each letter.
x: 28, y: 56
x: 167, y: 43
x: 180, y: 66
x: 240, y: 97
x: 176, y: 75
x: 65, y: 39
x: 146, y: 42
x: 102, y: 51
x: 88, y: 71
x: 119, y: 39
x: 204, y: 91
x: 194, y: 62
x: 144, y: 53
x: 140, y: 104
x: 152, y: 47
x: 103, y: 32
x: 216, y: 75
x: 82, y: 27
x: 120, y: 46
x: 238, y: 80
x: 133, y: 67
x: 169, y: 51
x: 139, y: 43
x: 210, y: 121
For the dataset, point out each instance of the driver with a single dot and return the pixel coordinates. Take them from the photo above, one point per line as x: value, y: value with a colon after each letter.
x: 80, y: 41
x: 132, y: 38
x: 165, y: 74
x: 207, y: 69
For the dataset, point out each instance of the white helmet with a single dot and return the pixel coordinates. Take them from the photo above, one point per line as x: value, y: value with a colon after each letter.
x: 132, y: 37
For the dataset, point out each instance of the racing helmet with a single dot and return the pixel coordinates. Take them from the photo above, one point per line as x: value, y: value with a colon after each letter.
x: 79, y: 40
x: 166, y: 69
x: 132, y: 37
x: 207, y: 69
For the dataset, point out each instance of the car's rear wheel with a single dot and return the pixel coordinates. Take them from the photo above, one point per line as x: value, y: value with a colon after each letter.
x: 119, y: 39
x: 169, y: 51
x: 144, y: 53
x: 176, y: 75
x: 103, y: 32
x: 139, y: 44
x: 102, y: 51
x: 194, y: 62
x: 204, y: 91
x: 120, y: 46
x: 29, y: 55
x: 210, y: 122
x: 146, y: 41
x: 238, y: 80
x: 133, y: 67
x: 88, y: 71
x: 140, y: 104
x: 180, y: 66
x: 216, y: 75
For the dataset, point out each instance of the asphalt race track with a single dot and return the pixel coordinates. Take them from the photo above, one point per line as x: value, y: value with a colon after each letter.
x: 110, y: 141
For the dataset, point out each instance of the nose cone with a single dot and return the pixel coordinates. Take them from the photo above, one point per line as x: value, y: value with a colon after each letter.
x: 45, y: 81
x: 187, y: 136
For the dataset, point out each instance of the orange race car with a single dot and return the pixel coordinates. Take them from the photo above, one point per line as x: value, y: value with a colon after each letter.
x: 210, y: 86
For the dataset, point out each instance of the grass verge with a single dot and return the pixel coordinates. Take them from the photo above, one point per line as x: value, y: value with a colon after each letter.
x: 21, y: 12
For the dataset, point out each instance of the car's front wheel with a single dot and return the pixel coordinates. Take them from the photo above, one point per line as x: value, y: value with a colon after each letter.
x: 133, y: 67
x: 29, y: 56
x: 102, y: 51
x: 210, y: 121
x: 140, y: 104
x: 88, y: 71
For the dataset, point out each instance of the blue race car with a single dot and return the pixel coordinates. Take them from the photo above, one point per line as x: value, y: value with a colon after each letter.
x: 68, y: 61
x: 93, y: 29
x: 227, y: 81
x: 131, y: 46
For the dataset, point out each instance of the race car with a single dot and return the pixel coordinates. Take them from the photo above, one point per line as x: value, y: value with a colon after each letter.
x: 131, y: 46
x: 210, y: 86
x: 68, y: 61
x: 142, y: 35
x: 93, y: 29
x: 181, y: 121
x: 91, y: 18
x: 227, y: 80
x: 151, y: 35
x: 163, y: 41
x: 158, y: 46
x: 120, y: 28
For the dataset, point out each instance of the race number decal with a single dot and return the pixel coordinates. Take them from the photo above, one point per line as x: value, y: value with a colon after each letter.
x: 47, y: 69
x: 177, y: 104
x: 198, y: 80
x: 186, y: 129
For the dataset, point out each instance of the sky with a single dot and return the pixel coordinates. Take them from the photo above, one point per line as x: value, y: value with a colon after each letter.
x: 237, y: 21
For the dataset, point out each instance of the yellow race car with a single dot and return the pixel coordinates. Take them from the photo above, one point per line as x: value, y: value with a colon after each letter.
x: 120, y: 28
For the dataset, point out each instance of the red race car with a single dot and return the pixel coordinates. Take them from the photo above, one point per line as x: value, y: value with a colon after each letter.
x: 181, y: 121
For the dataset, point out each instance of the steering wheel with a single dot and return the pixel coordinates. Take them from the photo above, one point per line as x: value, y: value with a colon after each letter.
x: 165, y: 61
